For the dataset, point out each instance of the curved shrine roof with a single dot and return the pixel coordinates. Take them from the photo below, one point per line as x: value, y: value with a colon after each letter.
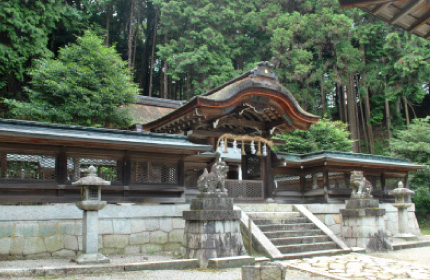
x: 253, y: 103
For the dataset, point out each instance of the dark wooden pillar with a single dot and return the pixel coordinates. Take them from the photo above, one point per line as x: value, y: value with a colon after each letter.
x: 181, y: 173
x: 126, y: 171
x: 3, y: 163
x: 61, y: 167
x: 326, y: 184
x: 267, y: 174
x: 61, y: 171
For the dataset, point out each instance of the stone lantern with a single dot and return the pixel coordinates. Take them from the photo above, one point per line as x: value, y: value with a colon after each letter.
x: 91, y: 204
x: 402, y: 198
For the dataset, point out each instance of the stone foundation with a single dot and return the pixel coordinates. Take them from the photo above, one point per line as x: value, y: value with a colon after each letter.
x: 329, y: 214
x: 363, y: 224
x: 56, y: 230
x: 212, y: 228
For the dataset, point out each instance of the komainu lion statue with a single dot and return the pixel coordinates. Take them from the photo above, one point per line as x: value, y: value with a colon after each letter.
x: 361, y: 187
x: 214, y: 181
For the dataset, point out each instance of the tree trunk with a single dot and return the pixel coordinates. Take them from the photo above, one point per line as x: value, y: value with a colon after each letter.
x: 136, y: 36
x: 366, y: 103
x: 408, y: 120
x: 146, y: 64
x: 323, y: 99
x: 339, y: 102
x: 108, y: 16
x: 388, y: 117
x: 363, y: 120
x: 154, y: 39
x: 166, y: 80
x: 130, y: 34
x: 352, y: 113
x: 398, y: 107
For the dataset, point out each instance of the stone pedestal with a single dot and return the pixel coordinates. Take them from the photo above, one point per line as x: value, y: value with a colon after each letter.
x: 90, y: 233
x: 402, y: 212
x: 91, y: 204
x: 403, y: 197
x: 363, y: 225
x: 212, y: 228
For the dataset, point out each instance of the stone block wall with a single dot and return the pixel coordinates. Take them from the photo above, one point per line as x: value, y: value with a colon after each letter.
x: 56, y: 230
x: 330, y: 216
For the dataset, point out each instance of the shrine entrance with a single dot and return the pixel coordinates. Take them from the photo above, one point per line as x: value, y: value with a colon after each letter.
x: 238, y: 119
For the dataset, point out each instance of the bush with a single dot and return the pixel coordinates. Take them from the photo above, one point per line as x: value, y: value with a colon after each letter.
x: 88, y: 84
x: 324, y: 135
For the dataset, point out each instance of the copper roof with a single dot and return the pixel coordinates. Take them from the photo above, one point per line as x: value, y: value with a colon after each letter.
x: 345, y: 159
x: 252, y: 103
x: 411, y: 15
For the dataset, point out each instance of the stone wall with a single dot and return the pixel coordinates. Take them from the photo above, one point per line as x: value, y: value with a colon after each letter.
x: 329, y: 215
x: 56, y: 230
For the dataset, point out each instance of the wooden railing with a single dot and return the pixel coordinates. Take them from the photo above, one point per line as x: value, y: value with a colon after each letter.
x: 245, y: 190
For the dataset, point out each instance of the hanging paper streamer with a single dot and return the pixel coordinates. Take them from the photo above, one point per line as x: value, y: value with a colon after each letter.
x: 253, y: 148
x: 264, y: 150
x: 235, y: 150
x: 252, y: 141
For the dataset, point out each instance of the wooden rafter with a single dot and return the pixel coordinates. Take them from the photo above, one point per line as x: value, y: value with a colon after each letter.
x: 362, y: 3
x: 420, y: 22
x: 406, y: 10
x: 379, y: 8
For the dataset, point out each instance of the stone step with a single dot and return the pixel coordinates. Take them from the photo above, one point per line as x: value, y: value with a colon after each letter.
x: 299, y: 240
x: 311, y: 254
x: 259, y: 221
x: 284, y: 227
x: 287, y: 249
x: 263, y: 207
x: 293, y: 233
x: 274, y: 216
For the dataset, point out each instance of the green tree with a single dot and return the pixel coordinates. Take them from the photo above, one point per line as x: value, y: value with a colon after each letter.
x: 25, y: 27
x: 88, y: 84
x: 413, y: 143
x: 324, y: 135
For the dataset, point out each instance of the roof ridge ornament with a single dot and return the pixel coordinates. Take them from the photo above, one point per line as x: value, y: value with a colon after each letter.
x: 265, y: 69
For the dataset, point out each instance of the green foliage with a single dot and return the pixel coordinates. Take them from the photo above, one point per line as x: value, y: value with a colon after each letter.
x: 25, y: 27
x: 413, y: 143
x: 324, y: 135
x: 422, y: 201
x: 86, y: 85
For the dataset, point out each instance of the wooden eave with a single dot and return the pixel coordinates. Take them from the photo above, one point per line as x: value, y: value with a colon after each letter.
x: 13, y: 132
x: 354, y: 161
x: 411, y: 15
x: 249, y: 105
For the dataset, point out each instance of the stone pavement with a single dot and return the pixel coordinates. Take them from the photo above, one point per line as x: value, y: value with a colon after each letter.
x: 362, y: 267
x: 413, y: 264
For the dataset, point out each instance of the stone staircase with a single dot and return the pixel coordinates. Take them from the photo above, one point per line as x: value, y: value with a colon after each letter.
x: 293, y: 234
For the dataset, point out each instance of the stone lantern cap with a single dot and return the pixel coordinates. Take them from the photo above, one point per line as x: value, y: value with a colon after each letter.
x: 402, y: 194
x: 91, y: 179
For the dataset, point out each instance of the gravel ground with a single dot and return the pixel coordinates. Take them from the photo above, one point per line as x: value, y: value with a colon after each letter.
x: 226, y: 274
x: 419, y: 256
x: 67, y: 262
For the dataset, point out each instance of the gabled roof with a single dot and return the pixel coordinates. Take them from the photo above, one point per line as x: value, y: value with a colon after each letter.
x: 345, y: 159
x: 252, y: 103
x: 411, y: 15
x: 17, y: 131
